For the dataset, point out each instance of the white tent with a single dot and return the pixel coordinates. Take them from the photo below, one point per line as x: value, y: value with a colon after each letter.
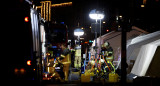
x: 114, y: 38
x: 134, y: 45
x: 144, y: 58
x: 143, y: 49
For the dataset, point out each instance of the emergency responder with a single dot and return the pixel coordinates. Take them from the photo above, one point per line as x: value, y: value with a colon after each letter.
x: 108, y: 52
x: 77, y: 60
x: 65, y: 60
x: 103, y: 49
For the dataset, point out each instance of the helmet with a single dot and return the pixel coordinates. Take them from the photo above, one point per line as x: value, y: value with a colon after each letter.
x: 106, y: 44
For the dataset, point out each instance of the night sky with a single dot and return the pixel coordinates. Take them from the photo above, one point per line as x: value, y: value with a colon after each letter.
x: 146, y: 18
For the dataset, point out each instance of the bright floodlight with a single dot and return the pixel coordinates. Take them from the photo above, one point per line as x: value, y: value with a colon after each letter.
x: 78, y: 32
x: 94, y: 14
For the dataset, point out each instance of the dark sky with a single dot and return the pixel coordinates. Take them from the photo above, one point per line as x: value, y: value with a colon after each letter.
x: 146, y: 18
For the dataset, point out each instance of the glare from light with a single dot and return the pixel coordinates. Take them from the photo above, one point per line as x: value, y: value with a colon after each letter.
x: 104, y: 22
x: 96, y: 16
x: 78, y: 33
x: 29, y: 62
x: 117, y: 18
x: 134, y: 77
x: 16, y: 70
x: 142, y: 5
x: 107, y: 30
x: 46, y: 75
x: 22, y: 70
x: 120, y: 16
x: 26, y: 19
x: 82, y: 28
x: 102, y: 60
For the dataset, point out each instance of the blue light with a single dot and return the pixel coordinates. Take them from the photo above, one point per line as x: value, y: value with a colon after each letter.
x: 90, y: 41
x: 62, y: 22
x: 54, y: 46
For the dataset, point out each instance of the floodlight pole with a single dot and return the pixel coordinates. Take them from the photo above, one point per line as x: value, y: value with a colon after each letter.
x: 100, y: 35
x: 96, y: 43
x: 96, y: 15
x: 78, y: 40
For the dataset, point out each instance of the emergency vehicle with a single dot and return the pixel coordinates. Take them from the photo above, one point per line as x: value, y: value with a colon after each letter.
x: 36, y: 41
x: 25, y: 49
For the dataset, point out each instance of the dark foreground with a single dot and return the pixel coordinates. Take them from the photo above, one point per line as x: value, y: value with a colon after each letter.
x: 137, y: 82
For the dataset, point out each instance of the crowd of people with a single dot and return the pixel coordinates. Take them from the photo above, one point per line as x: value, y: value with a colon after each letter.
x: 64, y: 60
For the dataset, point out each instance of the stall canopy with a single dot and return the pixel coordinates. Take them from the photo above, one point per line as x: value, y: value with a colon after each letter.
x: 147, y: 58
x: 134, y: 45
x: 114, y: 38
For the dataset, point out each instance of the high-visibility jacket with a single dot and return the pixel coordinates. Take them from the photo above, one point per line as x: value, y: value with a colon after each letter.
x: 66, y: 57
x: 108, y: 54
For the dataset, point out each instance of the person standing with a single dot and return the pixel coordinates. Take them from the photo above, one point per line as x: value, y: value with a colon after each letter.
x: 65, y: 60
x: 108, y: 52
x: 77, y: 61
